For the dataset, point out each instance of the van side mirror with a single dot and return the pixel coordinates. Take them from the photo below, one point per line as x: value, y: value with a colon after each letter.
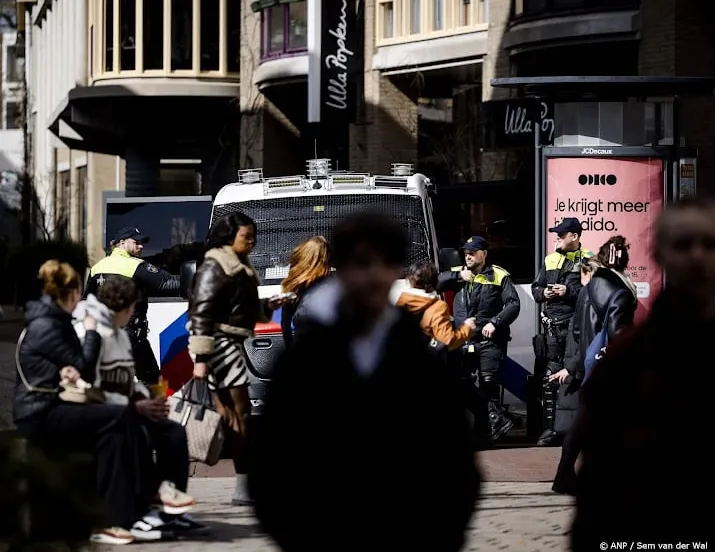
x: 449, y: 257
x: 186, y: 278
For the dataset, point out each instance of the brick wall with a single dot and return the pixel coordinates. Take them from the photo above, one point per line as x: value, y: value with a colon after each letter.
x: 389, y: 132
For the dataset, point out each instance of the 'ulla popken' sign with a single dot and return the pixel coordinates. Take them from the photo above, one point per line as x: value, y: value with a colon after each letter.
x: 337, y: 63
x: 518, y: 121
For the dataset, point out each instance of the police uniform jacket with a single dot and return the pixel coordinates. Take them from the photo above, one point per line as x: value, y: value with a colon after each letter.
x: 560, y: 268
x: 490, y: 298
x: 150, y: 279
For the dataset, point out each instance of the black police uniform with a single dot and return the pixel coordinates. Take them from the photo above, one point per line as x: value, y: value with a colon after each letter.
x: 490, y: 297
x: 560, y: 267
x: 152, y: 281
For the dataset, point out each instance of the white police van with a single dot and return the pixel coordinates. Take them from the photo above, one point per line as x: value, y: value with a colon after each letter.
x: 287, y: 211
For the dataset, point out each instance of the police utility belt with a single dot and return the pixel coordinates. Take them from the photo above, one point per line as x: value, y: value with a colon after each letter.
x: 554, y: 324
x: 139, y: 329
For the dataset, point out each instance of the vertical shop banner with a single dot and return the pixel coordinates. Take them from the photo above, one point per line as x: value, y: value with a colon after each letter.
x: 611, y: 196
x: 333, y: 60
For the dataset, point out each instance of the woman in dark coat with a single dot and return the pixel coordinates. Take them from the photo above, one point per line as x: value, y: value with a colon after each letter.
x: 608, y: 297
x: 224, y: 309
x: 49, y: 351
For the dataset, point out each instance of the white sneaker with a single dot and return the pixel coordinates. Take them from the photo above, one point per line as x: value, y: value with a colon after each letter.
x: 112, y: 535
x: 150, y: 528
x: 173, y: 501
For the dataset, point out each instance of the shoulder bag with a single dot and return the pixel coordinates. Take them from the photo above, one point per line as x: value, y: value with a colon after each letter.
x: 203, y: 425
x: 67, y: 392
x: 597, y: 349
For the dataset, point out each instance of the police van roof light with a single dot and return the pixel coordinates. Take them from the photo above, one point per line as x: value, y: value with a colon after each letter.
x: 401, y: 169
x: 318, y: 168
x: 349, y: 180
x: 284, y: 184
x: 390, y: 182
x: 250, y: 176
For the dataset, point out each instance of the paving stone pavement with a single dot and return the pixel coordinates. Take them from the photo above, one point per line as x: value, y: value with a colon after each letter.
x: 518, y: 517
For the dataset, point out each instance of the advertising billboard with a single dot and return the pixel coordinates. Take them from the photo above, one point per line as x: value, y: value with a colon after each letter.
x: 611, y: 196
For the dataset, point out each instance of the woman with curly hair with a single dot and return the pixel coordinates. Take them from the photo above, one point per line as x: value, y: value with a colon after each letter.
x: 309, y: 266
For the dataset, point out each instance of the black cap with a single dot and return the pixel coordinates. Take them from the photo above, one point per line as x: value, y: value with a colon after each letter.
x: 130, y: 233
x: 476, y: 243
x: 569, y: 224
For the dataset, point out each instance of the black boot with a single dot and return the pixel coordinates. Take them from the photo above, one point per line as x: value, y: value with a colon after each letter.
x: 549, y: 437
x: 499, y: 423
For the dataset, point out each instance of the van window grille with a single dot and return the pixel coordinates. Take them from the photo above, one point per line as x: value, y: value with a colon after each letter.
x: 285, y: 222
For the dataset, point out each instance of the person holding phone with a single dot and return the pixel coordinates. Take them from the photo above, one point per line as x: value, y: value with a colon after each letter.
x: 224, y: 308
x: 556, y: 288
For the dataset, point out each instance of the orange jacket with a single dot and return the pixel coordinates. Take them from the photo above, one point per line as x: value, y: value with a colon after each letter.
x: 435, y: 321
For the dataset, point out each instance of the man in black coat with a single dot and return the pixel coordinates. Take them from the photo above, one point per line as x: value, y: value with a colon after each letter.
x: 363, y: 444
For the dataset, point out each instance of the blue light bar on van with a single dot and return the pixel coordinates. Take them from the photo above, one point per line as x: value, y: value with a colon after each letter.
x: 348, y: 180
x: 391, y: 182
x: 285, y: 184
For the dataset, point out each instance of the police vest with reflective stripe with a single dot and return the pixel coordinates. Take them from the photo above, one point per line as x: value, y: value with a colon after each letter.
x: 481, y: 298
x: 119, y: 262
x: 556, y: 261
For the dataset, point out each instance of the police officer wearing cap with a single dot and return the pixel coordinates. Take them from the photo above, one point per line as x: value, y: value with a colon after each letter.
x: 556, y: 288
x: 125, y: 260
x: 485, y: 292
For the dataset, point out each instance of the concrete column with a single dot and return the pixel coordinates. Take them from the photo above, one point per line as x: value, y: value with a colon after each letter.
x: 250, y: 99
x: 142, y: 172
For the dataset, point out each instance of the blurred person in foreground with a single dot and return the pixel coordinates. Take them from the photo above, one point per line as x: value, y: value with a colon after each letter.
x: 383, y: 460
x: 645, y: 419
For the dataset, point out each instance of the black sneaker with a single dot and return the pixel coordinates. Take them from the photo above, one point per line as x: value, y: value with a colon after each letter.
x: 150, y: 528
x: 548, y: 438
x: 182, y: 523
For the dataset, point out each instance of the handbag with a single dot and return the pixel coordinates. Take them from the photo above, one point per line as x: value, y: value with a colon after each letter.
x: 203, y: 425
x: 79, y: 392
x: 597, y: 348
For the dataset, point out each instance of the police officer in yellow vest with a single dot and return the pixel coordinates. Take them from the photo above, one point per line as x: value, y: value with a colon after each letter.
x: 125, y: 260
x: 486, y: 293
x: 556, y: 287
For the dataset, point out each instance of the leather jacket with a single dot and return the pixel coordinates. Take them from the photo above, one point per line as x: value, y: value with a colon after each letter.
x: 224, y: 298
x: 610, y: 299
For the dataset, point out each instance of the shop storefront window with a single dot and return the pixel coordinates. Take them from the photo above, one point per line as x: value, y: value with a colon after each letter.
x: 153, y: 25
x: 181, y: 34
x: 127, y: 35
x: 415, y: 16
x: 285, y: 29
x: 388, y: 19
x: 109, y: 35
x: 438, y: 17
x: 233, y: 35
x: 298, y: 25
x: 209, y: 36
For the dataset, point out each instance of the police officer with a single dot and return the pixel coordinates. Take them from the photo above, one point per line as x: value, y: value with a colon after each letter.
x: 125, y: 260
x: 484, y: 292
x: 556, y: 287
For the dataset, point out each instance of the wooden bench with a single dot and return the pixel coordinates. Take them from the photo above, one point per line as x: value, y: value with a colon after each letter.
x: 46, y: 495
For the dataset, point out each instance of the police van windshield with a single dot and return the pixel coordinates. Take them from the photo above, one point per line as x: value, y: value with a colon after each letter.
x: 285, y: 222
x: 176, y: 228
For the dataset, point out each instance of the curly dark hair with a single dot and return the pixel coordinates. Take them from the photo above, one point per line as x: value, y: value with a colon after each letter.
x: 118, y: 292
x: 423, y: 275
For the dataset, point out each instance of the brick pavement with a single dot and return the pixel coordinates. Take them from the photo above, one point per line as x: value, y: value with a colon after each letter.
x: 511, y: 516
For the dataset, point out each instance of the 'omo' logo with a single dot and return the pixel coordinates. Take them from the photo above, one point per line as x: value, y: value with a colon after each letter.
x: 597, y: 179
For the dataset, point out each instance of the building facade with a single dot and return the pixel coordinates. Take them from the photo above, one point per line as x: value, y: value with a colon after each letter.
x: 172, y: 96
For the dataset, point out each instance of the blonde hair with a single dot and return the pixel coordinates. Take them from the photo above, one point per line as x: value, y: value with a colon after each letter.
x: 309, y: 262
x: 59, y: 280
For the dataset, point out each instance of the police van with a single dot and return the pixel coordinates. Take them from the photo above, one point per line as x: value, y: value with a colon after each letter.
x: 287, y: 211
